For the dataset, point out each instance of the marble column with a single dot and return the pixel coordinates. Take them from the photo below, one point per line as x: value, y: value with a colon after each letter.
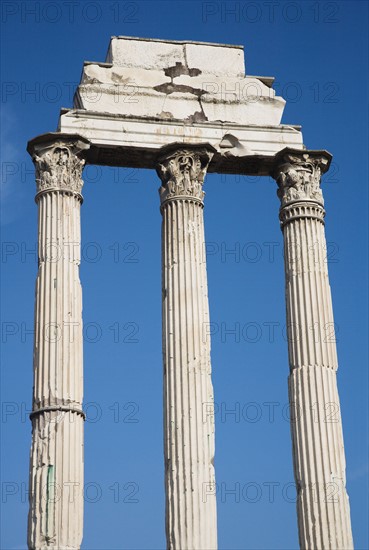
x: 55, y: 518
x: 316, y: 427
x: 188, y: 391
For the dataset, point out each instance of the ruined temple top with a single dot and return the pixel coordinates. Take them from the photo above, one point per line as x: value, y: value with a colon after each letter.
x: 178, y: 80
x: 124, y: 37
x: 198, y: 57
x: 150, y: 93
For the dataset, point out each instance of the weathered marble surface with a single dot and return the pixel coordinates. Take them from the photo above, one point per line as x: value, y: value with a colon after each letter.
x: 191, y: 520
x: 181, y: 107
x: 151, y: 93
x: 316, y: 427
x: 191, y: 82
x: 55, y: 518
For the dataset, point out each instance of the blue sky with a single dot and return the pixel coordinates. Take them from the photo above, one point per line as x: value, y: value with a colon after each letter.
x: 317, y: 52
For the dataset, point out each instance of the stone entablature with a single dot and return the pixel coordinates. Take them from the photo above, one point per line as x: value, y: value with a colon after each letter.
x: 151, y: 93
x: 191, y: 82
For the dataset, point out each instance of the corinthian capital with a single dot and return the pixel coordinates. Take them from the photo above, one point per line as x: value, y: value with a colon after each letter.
x: 182, y: 169
x: 59, y: 160
x: 298, y: 174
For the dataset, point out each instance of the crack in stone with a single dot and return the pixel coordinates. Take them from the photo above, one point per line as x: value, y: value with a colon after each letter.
x: 170, y: 88
x: 166, y: 115
x: 179, y: 69
x: 198, y: 116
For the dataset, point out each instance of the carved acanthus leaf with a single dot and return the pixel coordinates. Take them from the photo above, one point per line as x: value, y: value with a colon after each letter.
x: 182, y: 173
x: 59, y: 168
x: 298, y: 178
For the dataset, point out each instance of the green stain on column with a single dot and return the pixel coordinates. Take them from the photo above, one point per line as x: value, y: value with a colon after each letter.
x: 50, y: 500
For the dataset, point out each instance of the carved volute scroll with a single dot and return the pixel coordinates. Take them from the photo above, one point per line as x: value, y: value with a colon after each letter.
x: 298, y: 175
x: 59, y: 162
x: 182, y: 172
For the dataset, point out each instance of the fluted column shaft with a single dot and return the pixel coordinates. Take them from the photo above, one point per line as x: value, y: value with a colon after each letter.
x: 188, y: 432
x: 316, y: 427
x: 56, y: 465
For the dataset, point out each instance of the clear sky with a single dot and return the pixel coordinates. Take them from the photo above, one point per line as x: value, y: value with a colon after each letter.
x: 318, y: 52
